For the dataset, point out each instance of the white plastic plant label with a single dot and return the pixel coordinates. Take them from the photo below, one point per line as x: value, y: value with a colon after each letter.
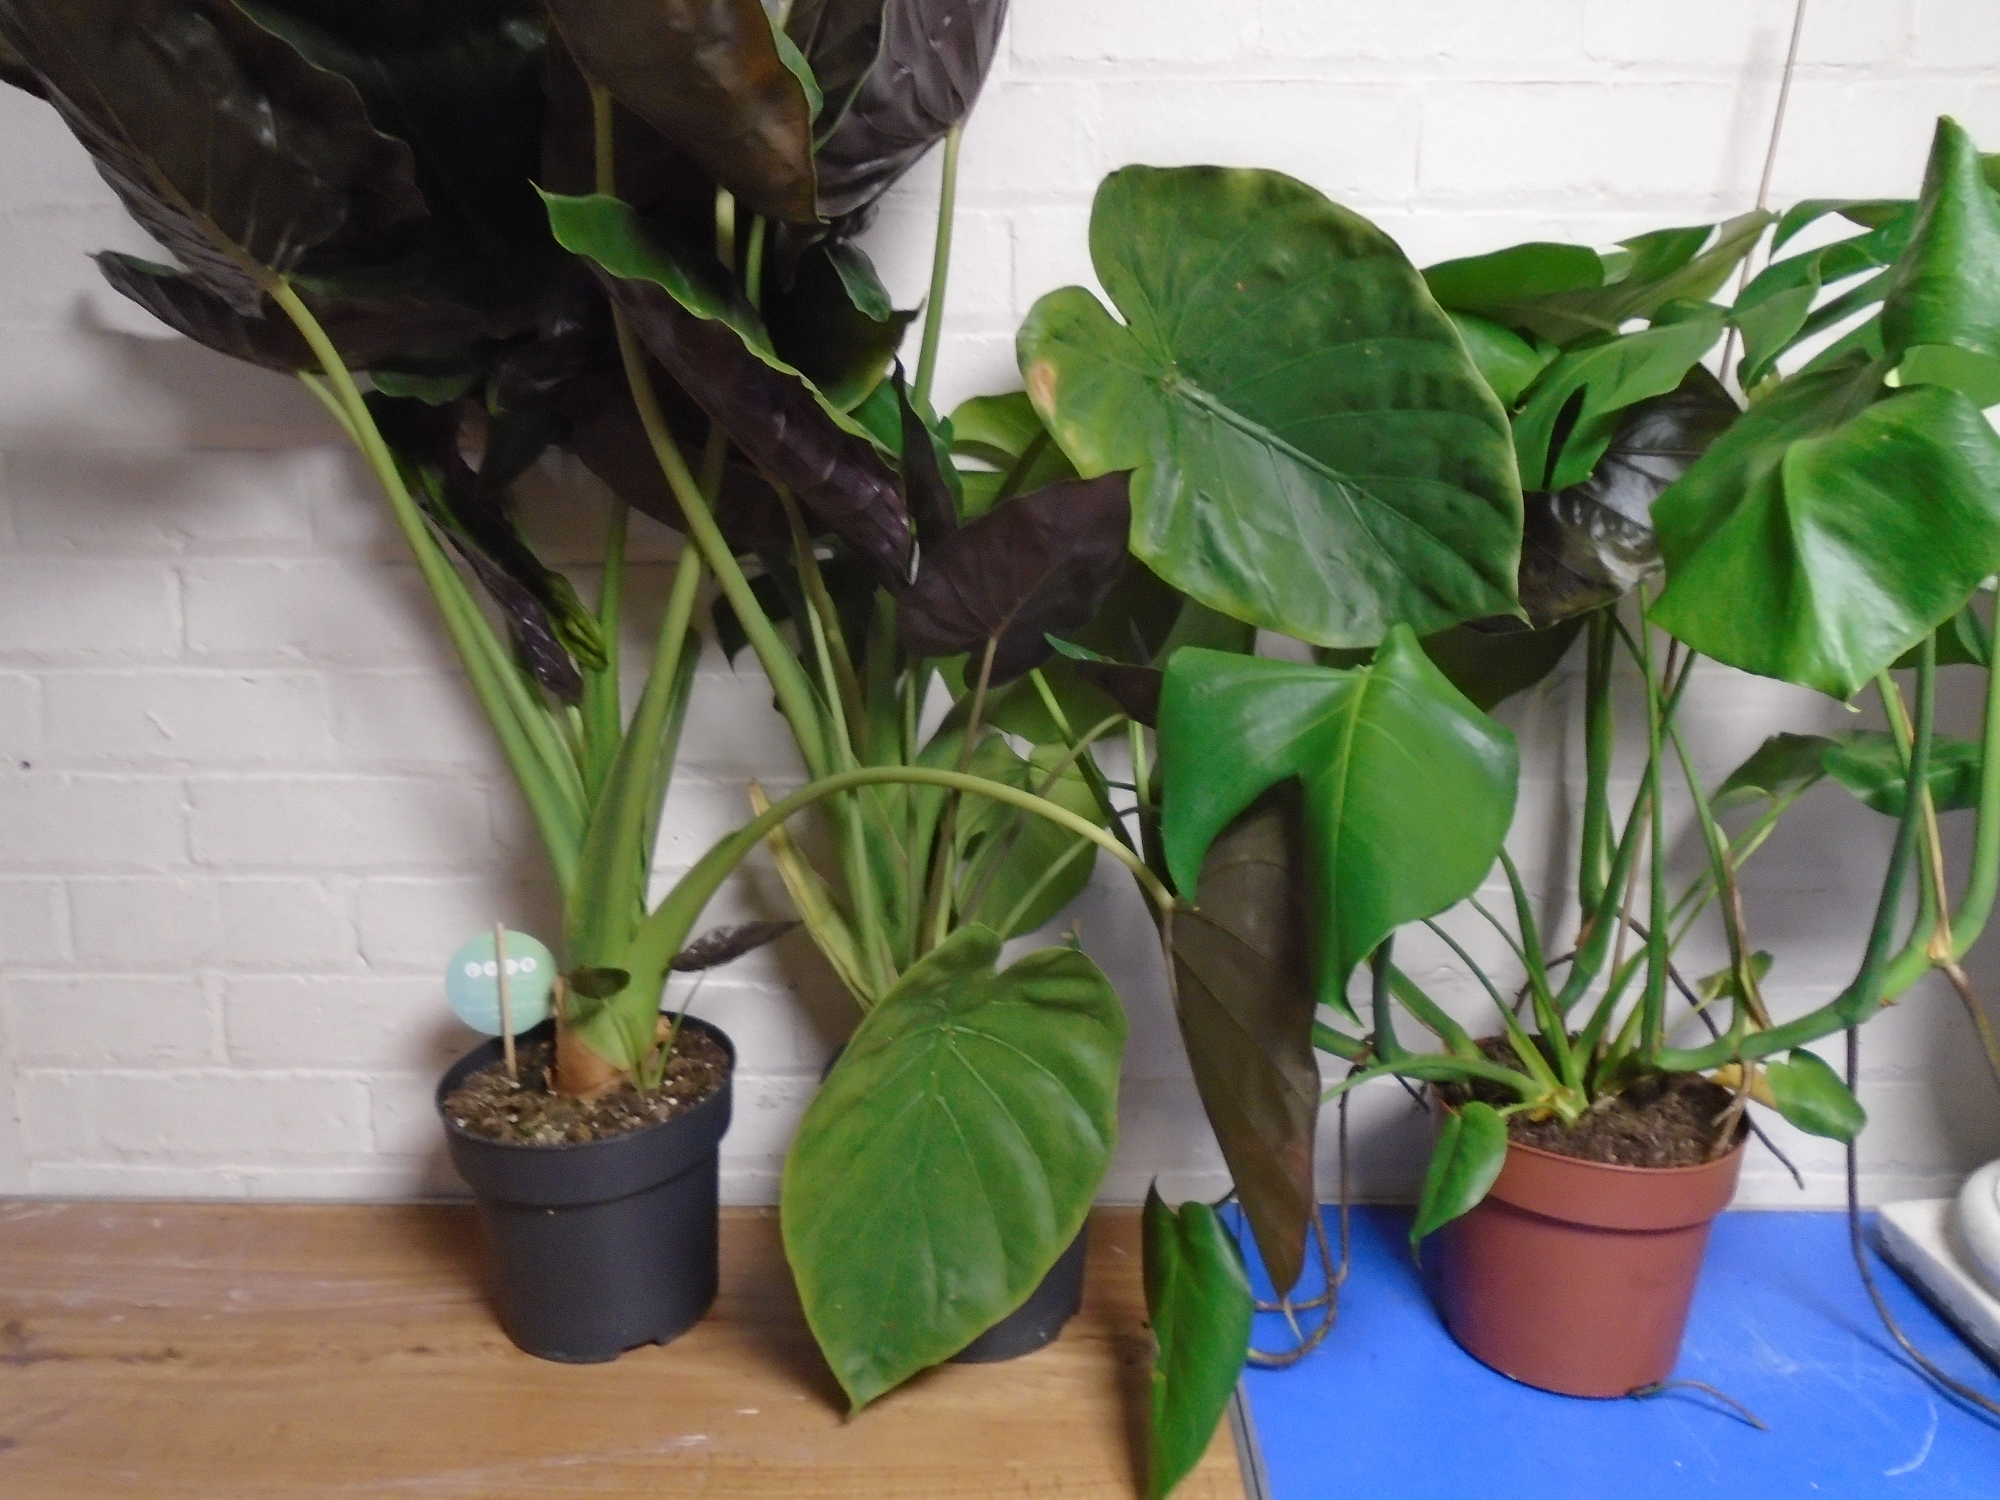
x: 472, y: 982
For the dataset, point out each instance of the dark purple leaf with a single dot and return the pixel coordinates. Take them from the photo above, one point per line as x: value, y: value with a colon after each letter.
x: 224, y: 142
x: 931, y: 504
x: 932, y: 59
x: 721, y: 945
x: 1037, y: 566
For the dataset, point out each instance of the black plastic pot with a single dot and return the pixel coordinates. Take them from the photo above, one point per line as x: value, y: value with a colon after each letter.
x: 1036, y: 1322
x: 602, y: 1246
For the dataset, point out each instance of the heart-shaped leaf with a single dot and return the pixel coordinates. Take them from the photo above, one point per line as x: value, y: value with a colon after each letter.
x: 1199, y: 1302
x: 958, y: 1143
x: 1811, y: 1096
x: 1243, y: 994
x: 1816, y: 543
x: 225, y: 143
x: 1314, y: 451
x: 1466, y: 1161
x: 1408, y: 789
x: 930, y: 60
x: 1033, y: 567
x: 696, y: 323
x: 708, y: 75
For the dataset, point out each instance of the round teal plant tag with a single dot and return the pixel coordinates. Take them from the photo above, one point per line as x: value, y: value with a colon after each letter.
x: 472, y: 982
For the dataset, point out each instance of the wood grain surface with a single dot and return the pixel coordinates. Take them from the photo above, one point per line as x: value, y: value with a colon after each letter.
x: 168, y: 1350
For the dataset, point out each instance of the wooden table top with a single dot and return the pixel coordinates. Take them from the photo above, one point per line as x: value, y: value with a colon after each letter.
x: 307, y: 1351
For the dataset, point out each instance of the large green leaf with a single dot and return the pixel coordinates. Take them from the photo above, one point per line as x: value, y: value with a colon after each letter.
x: 1818, y: 550
x: 1811, y: 1096
x: 225, y: 143
x: 1945, y: 288
x: 1314, y: 451
x: 1471, y: 1149
x: 951, y: 1156
x: 1243, y: 994
x: 924, y: 77
x: 709, y: 75
x: 1199, y: 1302
x: 696, y: 322
x: 1779, y: 307
x: 1408, y: 788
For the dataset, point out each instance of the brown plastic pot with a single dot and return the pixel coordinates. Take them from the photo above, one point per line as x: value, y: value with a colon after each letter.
x: 1575, y: 1276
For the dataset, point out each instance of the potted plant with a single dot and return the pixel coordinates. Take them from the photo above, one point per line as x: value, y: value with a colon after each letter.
x: 1400, y: 789
x: 351, y: 195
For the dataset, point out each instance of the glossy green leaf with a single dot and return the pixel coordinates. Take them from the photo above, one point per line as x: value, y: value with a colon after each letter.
x: 931, y: 60
x: 1508, y: 362
x: 1817, y: 550
x: 1778, y: 308
x: 1588, y: 545
x: 1314, y: 451
x: 1962, y: 641
x: 1868, y: 764
x: 1976, y: 376
x: 1408, y: 788
x: 959, y: 1141
x: 1591, y: 388
x: 1466, y: 1161
x: 1017, y: 454
x: 1244, y: 996
x: 1199, y: 1302
x: 1945, y: 288
x: 1491, y: 666
x: 1500, y: 283
x: 695, y: 321
x: 1811, y: 1096
x: 708, y: 75
x: 224, y: 143
x: 1779, y: 770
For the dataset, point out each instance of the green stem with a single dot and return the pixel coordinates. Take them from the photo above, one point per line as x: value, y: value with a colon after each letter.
x: 943, y: 871
x: 1653, y: 1027
x: 1599, y: 734
x: 1093, y: 775
x: 557, y: 821
x: 940, y: 272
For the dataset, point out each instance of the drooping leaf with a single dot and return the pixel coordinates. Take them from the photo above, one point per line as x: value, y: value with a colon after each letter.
x: 226, y: 144
x: 924, y: 78
x: 696, y: 323
x: 721, y: 945
x: 1199, y: 1302
x: 707, y: 74
x: 841, y: 342
x: 1812, y: 1097
x: 961, y: 1138
x: 1491, y: 665
x: 1408, y: 789
x: 1036, y: 566
x: 1777, y: 309
x: 1945, y: 287
x: 1466, y: 1161
x: 1243, y: 994
x: 460, y: 82
x: 1592, y: 387
x: 1314, y: 451
x: 1868, y: 764
x: 1816, y: 546
x: 1780, y: 770
x: 1586, y: 546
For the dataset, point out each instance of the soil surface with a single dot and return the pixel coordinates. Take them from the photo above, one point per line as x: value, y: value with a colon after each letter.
x: 1668, y: 1120
x: 495, y: 1107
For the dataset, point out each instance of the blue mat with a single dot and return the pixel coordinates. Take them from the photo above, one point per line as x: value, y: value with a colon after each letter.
x: 1391, y: 1409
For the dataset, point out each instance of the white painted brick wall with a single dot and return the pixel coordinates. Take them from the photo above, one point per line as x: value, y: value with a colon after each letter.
x: 247, y: 805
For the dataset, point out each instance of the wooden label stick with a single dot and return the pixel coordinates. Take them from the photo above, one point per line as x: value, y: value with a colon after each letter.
x: 506, y: 1001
